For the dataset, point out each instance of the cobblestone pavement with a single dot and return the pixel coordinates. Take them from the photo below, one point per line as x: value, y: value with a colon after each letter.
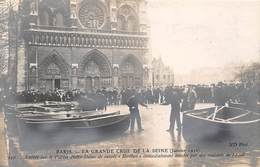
x: 155, y: 138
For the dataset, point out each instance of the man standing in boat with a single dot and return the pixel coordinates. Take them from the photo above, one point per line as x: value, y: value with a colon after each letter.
x: 132, y: 103
x: 175, y: 100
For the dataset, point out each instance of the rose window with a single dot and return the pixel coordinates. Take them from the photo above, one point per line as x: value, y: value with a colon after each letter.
x: 91, y: 15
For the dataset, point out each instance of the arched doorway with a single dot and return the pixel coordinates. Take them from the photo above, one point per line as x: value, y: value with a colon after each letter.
x: 53, y: 73
x: 54, y: 82
x: 131, y: 72
x: 93, y: 74
x: 95, y: 71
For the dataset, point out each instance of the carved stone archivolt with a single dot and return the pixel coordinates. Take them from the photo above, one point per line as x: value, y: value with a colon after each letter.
x: 95, y: 64
x: 130, y: 72
x: 54, y: 65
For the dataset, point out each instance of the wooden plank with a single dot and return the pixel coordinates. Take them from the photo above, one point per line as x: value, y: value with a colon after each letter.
x: 216, y: 111
x: 212, y: 113
x: 239, y: 116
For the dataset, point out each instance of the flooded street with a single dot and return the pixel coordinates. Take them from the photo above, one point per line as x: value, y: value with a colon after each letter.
x: 151, y: 147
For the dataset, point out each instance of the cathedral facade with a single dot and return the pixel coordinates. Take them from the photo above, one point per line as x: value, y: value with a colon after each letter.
x: 82, y: 44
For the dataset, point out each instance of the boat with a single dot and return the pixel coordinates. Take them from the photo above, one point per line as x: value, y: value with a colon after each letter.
x: 244, y: 106
x: 76, y: 123
x: 220, y: 124
x: 49, y: 107
x: 38, y: 110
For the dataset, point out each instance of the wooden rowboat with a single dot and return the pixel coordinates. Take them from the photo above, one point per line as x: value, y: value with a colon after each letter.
x: 220, y: 123
x: 87, y: 124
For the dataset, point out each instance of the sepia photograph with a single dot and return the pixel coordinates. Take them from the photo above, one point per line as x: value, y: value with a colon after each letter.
x: 136, y: 83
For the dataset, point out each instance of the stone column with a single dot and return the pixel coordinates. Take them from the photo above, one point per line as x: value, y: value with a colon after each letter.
x: 92, y: 85
x: 115, y: 75
x: 113, y: 15
x: 145, y: 75
x: 74, y: 78
x: 73, y: 11
x: 21, y: 68
x: 34, y: 12
x: 33, y: 76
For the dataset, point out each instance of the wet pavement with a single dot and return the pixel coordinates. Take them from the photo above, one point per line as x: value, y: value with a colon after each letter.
x: 152, y: 147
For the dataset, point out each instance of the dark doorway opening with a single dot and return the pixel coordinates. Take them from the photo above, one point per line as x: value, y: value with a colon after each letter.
x: 57, y: 83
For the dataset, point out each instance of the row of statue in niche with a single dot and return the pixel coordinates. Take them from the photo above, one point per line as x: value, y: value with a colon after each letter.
x: 68, y: 39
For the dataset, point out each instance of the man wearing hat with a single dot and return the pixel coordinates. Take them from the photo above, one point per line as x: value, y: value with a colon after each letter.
x: 174, y: 100
x: 132, y: 103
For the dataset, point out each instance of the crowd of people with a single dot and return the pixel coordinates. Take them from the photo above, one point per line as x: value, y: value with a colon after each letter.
x: 181, y: 98
x: 215, y: 93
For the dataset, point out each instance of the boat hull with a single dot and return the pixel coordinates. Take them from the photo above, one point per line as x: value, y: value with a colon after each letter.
x: 60, y: 130
x: 244, y: 106
x: 195, y: 129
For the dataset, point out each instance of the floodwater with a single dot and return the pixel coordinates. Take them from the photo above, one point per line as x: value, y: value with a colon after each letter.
x: 152, y: 147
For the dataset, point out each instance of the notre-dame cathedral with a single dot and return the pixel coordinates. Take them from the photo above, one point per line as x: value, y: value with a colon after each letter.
x: 80, y: 44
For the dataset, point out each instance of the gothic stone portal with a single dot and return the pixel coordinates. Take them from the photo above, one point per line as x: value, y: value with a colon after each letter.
x: 131, y: 73
x: 54, y: 73
x: 95, y: 72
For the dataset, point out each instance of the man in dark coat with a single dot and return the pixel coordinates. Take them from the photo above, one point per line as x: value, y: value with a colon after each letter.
x: 185, y: 104
x: 132, y: 103
x: 192, y: 96
x: 174, y: 100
